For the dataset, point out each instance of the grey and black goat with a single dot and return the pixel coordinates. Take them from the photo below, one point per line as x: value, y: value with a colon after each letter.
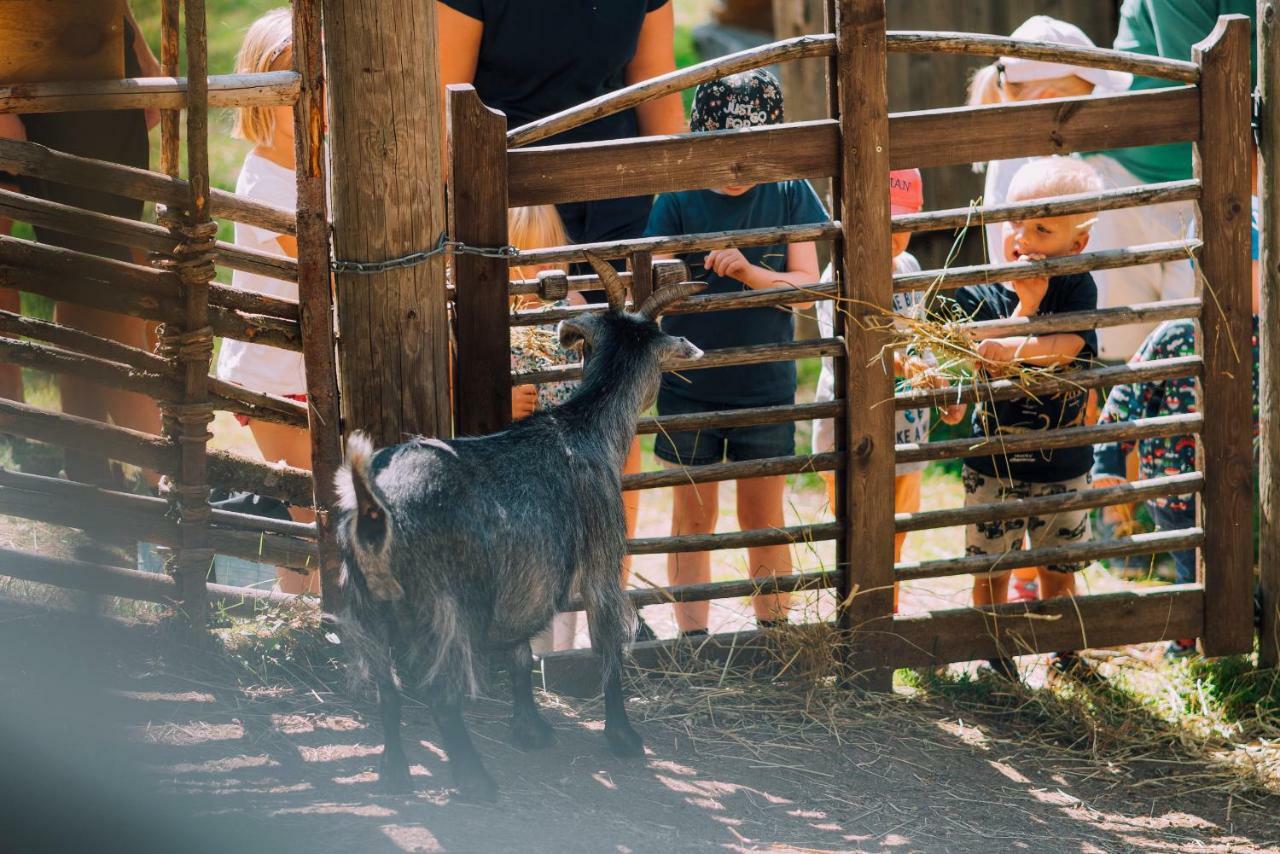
x: 456, y: 548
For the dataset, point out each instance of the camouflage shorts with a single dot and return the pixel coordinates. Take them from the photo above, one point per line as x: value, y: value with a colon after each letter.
x: 1065, y: 528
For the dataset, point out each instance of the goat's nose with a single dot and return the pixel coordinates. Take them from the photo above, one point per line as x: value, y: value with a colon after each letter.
x: 692, y: 351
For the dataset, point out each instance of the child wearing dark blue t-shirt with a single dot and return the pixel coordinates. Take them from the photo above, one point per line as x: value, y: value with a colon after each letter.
x: 742, y: 100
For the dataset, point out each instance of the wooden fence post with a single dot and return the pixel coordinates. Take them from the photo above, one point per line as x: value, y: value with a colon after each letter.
x: 1269, y: 358
x: 1226, y: 446
x: 386, y: 139
x: 865, y: 552
x: 315, y: 300
x: 478, y: 178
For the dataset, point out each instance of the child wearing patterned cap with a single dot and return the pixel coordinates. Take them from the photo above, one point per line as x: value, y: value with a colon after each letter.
x: 746, y: 100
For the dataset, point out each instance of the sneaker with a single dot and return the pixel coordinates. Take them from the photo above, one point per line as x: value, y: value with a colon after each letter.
x: 1025, y: 591
x: 693, y: 635
x: 1181, y: 648
x: 771, y: 625
x: 1005, y: 668
x: 1071, y: 665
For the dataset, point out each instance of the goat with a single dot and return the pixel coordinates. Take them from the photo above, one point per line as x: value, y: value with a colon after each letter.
x: 453, y: 547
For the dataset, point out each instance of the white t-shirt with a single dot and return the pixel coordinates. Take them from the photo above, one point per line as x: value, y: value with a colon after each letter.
x: 910, y: 425
x: 256, y: 366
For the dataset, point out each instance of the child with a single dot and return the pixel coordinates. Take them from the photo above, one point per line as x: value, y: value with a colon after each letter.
x: 906, y: 196
x: 535, y: 348
x: 268, y: 176
x: 1161, y: 457
x: 1012, y: 79
x: 1006, y: 477
x: 742, y: 100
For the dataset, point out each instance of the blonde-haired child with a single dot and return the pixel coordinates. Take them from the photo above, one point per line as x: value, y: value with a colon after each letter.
x: 267, y: 175
x: 535, y: 348
x: 999, y: 477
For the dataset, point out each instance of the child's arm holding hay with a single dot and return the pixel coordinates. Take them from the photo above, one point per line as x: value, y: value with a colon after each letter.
x: 1043, y: 351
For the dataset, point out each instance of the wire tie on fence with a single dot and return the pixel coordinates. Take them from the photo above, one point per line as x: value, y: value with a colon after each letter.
x: 413, y: 259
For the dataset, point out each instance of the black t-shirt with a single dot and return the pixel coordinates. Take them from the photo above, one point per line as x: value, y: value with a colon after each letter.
x: 993, y: 302
x: 538, y: 57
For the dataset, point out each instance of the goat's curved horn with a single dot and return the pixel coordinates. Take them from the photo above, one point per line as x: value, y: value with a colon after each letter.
x: 660, y: 299
x: 614, y: 289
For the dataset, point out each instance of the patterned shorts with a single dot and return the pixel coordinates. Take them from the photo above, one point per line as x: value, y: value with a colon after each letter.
x: 994, y: 538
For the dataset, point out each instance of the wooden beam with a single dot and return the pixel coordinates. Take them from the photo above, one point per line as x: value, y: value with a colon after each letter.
x: 930, y: 639
x: 386, y: 140
x: 315, y: 293
x: 1269, y: 357
x: 680, y: 243
x: 1226, y: 443
x: 914, y: 41
x: 1054, y: 126
x: 266, y: 89
x: 745, y: 417
x: 865, y: 274
x: 786, y: 50
x: 479, y: 202
x: 37, y: 161
x: 659, y: 164
x: 765, y: 467
x: 736, y: 539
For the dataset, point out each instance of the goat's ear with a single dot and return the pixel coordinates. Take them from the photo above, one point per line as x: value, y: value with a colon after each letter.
x: 573, y: 334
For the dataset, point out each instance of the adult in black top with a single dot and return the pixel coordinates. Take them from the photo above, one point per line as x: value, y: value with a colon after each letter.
x: 532, y: 58
x: 1049, y: 412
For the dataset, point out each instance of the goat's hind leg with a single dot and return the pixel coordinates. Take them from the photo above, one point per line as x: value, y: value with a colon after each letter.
x: 606, y: 610
x: 469, y: 774
x: 529, y: 730
x: 393, y: 766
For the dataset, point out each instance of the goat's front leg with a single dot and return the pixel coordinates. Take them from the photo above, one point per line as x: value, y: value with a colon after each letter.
x: 469, y: 774
x: 393, y: 767
x: 609, y: 630
x: 529, y: 730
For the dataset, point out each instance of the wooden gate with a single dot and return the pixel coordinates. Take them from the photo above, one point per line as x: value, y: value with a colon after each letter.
x: 493, y: 170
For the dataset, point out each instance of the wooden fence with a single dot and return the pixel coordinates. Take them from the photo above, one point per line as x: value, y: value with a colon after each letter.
x: 493, y: 171
x: 176, y: 291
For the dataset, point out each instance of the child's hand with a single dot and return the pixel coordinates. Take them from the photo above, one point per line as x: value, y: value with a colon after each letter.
x: 730, y: 263
x: 953, y: 413
x: 917, y: 373
x: 524, y: 401
x: 1031, y: 291
x: 997, y: 354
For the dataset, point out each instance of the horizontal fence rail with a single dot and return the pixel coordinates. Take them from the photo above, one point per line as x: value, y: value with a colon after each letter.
x: 753, y: 355
x: 265, y: 89
x: 1107, y: 200
x: 37, y: 161
x: 1128, y: 493
x: 659, y: 164
x: 1067, y: 381
x: 746, y: 417
x: 705, y: 241
x: 795, y: 534
x: 1065, y: 437
x: 1163, y: 541
x: 767, y: 467
x: 976, y: 44
x: 1106, y: 259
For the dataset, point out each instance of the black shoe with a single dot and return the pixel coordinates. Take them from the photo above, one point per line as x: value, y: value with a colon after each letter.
x: 694, y: 635
x: 643, y: 631
x: 772, y: 625
x: 1005, y: 668
x: 1070, y: 664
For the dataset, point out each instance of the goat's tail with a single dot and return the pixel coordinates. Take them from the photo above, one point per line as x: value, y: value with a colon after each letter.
x: 369, y: 528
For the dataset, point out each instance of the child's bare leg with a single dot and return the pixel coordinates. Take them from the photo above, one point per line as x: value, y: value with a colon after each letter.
x: 1055, y: 584
x: 906, y: 499
x: 992, y: 589
x: 694, y: 511
x: 760, y: 506
x: 293, y: 445
x: 630, y: 503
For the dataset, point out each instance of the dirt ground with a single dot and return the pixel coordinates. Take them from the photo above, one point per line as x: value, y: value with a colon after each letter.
x: 109, y: 738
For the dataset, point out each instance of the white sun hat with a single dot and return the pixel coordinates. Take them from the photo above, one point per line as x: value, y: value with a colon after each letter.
x: 1042, y: 28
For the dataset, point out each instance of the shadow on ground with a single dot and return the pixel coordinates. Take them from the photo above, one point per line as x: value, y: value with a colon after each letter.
x: 111, y: 746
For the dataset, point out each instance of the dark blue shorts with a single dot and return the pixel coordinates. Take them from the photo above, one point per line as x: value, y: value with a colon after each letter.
x: 716, y: 444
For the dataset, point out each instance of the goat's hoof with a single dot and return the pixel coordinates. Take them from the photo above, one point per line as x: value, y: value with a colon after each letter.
x: 475, y: 784
x: 393, y: 777
x: 623, y: 740
x: 532, y: 733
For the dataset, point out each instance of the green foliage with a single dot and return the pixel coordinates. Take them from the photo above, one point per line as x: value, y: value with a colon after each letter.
x: 1236, y: 688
